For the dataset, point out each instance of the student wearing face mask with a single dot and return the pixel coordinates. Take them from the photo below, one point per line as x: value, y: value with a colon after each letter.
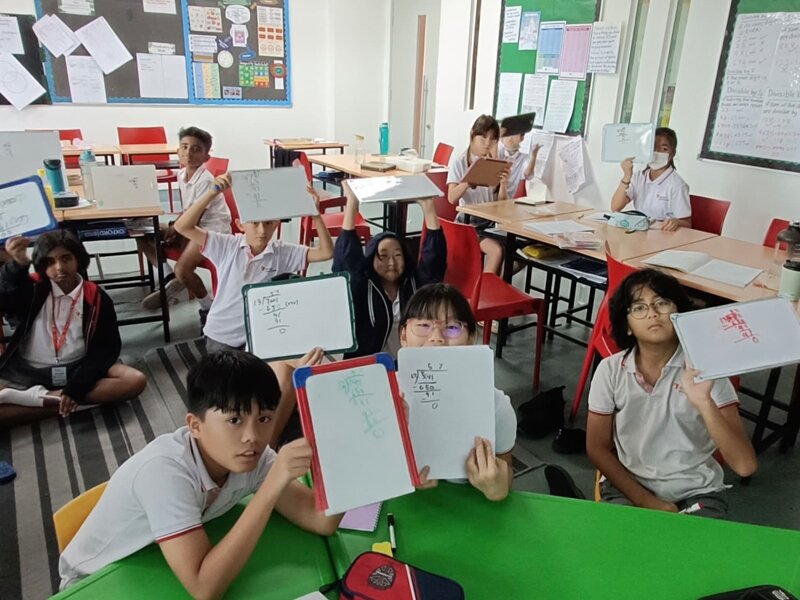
x: 657, y: 191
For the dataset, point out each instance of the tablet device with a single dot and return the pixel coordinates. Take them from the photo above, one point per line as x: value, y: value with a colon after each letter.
x: 485, y: 171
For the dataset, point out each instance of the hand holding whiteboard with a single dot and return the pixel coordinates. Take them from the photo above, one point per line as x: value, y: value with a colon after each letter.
x: 286, y: 318
x: 388, y: 189
x: 24, y: 208
x: 450, y: 392
x: 272, y: 194
x: 626, y: 140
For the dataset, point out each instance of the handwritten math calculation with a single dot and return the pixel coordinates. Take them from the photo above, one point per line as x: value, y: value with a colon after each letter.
x: 426, y: 384
x: 353, y: 387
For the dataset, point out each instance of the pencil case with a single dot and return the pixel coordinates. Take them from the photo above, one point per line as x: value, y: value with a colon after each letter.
x: 759, y: 592
x: 374, y: 576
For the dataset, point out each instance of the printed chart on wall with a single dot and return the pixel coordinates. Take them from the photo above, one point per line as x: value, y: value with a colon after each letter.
x: 755, y: 112
x: 548, y: 52
x: 239, y: 51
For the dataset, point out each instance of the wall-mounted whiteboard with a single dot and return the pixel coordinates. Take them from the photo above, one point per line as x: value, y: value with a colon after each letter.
x: 24, y: 209
x: 22, y: 153
x: 288, y: 318
x: 388, y: 189
x: 625, y: 140
x: 270, y: 194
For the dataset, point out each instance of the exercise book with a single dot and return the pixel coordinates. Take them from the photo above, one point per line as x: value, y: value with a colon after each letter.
x: 352, y: 416
x: 557, y: 227
x: 739, y: 338
x: 287, y: 318
x: 363, y: 518
x: 628, y: 140
x: 702, y: 265
x: 388, y: 189
x: 24, y: 208
x: 272, y: 194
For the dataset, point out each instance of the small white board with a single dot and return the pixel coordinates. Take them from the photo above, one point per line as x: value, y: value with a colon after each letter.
x: 24, y: 208
x: 134, y: 186
x: 625, y: 140
x: 22, y: 153
x: 389, y: 189
x: 272, y: 194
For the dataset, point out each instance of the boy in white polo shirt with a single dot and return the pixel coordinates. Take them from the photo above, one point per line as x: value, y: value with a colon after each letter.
x: 652, y: 431
x: 194, y: 181
x: 165, y: 492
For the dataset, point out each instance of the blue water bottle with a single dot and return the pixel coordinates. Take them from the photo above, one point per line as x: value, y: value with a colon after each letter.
x: 384, y: 138
x: 52, y: 168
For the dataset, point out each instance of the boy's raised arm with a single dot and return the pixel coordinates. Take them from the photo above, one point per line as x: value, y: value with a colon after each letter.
x: 188, y: 223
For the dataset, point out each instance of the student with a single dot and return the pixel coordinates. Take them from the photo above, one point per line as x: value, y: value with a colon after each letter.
x: 66, y: 340
x: 195, y: 183
x: 512, y: 133
x: 652, y: 431
x: 439, y: 315
x: 248, y: 257
x: 657, y: 191
x: 482, y: 141
x: 178, y: 482
x: 384, y: 275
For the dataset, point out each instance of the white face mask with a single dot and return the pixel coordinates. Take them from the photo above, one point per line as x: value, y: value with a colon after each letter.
x: 660, y: 160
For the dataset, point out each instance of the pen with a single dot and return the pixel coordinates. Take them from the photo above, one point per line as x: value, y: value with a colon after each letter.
x: 693, y: 508
x: 392, y: 534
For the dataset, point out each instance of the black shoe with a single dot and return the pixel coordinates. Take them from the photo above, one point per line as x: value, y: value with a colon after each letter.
x: 570, y: 441
x: 203, y: 317
x: 561, y: 483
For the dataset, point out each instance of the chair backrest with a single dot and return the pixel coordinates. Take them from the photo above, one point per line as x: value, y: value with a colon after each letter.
x: 444, y: 210
x: 464, y: 260
x: 144, y: 135
x: 521, y: 190
x: 68, y: 519
x: 441, y: 155
x: 775, y: 227
x: 617, y: 272
x: 708, y: 214
x: 216, y: 165
x: 67, y: 135
x: 302, y: 157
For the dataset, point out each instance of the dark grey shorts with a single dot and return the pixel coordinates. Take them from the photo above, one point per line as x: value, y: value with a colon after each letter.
x: 715, y: 504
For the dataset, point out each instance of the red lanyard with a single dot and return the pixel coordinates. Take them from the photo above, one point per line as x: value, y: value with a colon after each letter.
x: 60, y: 338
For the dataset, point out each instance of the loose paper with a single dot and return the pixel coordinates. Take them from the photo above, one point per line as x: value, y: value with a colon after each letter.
x: 571, y: 156
x: 511, y: 24
x: 551, y: 38
x: 575, y: 51
x: 203, y: 44
x: 450, y: 393
x: 508, y: 94
x: 203, y: 18
x: 160, y: 48
x: 86, y: 82
x: 270, y: 31
x: 10, y: 38
x: 162, y: 76
x: 164, y: 7
x: 24, y: 208
x: 237, y: 14
x: 529, y: 30
x: 18, y: 86
x: 534, y: 96
x: 54, y: 35
x: 76, y: 7
x: 604, y: 48
x: 206, y: 80
x: 560, y: 104
x: 104, y: 45
x: 556, y: 227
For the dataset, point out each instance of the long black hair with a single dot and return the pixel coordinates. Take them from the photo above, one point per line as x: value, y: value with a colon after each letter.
x: 63, y: 238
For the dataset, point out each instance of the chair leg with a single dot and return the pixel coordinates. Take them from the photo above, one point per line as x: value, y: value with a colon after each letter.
x: 99, y: 267
x: 487, y: 332
x: 140, y: 256
x: 541, y: 319
x: 584, y: 376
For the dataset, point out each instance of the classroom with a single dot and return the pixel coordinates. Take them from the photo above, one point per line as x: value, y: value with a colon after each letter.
x: 308, y: 240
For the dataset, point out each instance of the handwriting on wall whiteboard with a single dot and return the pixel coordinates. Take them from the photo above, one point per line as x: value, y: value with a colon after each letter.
x: 275, y: 308
x: 426, y: 384
x: 353, y: 387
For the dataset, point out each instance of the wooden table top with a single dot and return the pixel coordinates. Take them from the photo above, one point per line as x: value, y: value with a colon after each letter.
x: 347, y: 164
x: 131, y: 149
x: 304, y: 145
x: 731, y: 250
x: 94, y: 213
x: 99, y: 150
x: 508, y: 211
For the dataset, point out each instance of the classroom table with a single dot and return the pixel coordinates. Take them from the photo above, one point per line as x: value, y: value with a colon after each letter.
x: 297, y: 146
x: 107, y: 152
x: 546, y: 547
x: 287, y: 562
x: 509, y: 211
x: 128, y: 151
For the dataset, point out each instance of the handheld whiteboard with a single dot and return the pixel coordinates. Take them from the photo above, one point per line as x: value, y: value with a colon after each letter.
x: 352, y: 416
x: 739, y: 338
x: 125, y: 187
x: 623, y: 140
x: 271, y: 194
x: 388, y: 189
x: 287, y: 318
x: 22, y: 153
x: 450, y: 393
x: 24, y: 208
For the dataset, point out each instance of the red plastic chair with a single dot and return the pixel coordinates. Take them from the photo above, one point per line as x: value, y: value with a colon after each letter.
x: 150, y: 135
x: 444, y: 210
x: 217, y: 166
x: 442, y: 154
x: 67, y: 135
x: 601, y: 343
x: 490, y: 298
x: 708, y: 214
x: 522, y: 191
x: 775, y: 227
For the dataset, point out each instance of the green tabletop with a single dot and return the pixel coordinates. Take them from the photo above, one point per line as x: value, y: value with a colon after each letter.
x: 533, y: 546
x: 286, y: 563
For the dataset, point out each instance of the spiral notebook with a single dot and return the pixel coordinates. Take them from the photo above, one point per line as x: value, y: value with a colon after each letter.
x: 364, y: 518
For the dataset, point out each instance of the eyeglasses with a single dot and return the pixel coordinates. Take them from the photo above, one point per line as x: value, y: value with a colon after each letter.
x: 662, y: 306
x: 385, y: 258
x: 424, y: 328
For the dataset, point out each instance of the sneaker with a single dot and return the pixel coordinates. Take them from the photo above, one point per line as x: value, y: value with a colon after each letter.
x: 174, y: 289
x: 561, y: 483
x: 570, y: 441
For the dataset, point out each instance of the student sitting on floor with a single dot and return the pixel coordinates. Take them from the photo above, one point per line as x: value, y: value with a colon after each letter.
x: 482, y: 142
x: 439, y: 315
x: 241, y: 259
x: 66, y: 340
x: 657, y: 191
x: 384, y: 275
x: 165, y: 492
x: 195, y: 182
x: 653, y: 431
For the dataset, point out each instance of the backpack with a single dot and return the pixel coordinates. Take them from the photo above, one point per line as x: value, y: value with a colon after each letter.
x: 543, y: 414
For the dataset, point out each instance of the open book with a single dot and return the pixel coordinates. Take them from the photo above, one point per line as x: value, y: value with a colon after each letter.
x: 557, y: 227
x: 702, y: 265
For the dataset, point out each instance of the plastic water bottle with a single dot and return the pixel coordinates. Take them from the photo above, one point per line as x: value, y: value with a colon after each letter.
x: 52, y: 168
x: 384, y: 138
x: 361, y: 152
x: 87, y: 163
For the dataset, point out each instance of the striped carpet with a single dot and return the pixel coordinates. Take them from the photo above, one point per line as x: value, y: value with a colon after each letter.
x: 58, y: 459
